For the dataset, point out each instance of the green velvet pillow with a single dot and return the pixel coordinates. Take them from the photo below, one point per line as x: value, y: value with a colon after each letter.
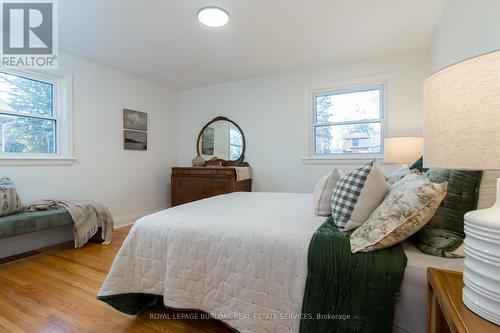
x: 445, y: 231
x: 418, y: 165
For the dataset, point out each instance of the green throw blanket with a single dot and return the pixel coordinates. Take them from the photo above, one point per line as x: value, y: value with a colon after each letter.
x: 346, y: 292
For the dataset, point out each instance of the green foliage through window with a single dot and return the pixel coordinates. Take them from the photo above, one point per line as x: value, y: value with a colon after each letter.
x: 27, y: 117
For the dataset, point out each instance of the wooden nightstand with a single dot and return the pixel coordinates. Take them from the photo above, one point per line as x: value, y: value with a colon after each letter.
x: 446, y: 311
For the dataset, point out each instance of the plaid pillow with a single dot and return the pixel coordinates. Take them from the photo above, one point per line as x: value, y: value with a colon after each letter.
x: 346, y: 194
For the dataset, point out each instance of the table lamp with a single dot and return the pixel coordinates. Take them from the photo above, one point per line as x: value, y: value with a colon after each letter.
x: 462, y: 131
x: 403, y: 150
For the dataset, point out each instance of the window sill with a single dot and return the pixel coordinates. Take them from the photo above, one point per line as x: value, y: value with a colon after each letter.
x: 347, y: 160
x: 36, y: 161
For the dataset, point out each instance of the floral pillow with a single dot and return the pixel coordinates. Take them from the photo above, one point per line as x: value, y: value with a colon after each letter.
x: 399, y: 174
x: 9, y: 200
x: 409, y: 205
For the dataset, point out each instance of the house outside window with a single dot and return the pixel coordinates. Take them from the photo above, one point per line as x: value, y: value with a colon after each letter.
x: 348, y: 122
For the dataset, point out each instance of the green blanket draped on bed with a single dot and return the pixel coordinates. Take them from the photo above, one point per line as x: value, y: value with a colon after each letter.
x: 346, y: 292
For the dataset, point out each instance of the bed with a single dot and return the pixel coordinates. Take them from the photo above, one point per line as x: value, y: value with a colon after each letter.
x: 241, y: 257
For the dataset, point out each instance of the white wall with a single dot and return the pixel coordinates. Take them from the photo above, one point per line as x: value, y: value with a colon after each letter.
x: 271, y: 113
x: 467, y: 28
x: 129, y: 182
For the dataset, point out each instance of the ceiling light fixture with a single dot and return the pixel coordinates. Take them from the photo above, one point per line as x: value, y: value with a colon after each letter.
x: 214, y: 17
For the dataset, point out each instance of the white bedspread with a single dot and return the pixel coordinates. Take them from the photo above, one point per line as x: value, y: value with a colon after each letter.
x: 239, y: 256
x: 239, y: 253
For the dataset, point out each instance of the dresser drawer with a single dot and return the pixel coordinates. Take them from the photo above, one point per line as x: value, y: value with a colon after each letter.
x: 191, y: 184
x: 188, y: 189
x: 197, y: 186
x: 200, y: 172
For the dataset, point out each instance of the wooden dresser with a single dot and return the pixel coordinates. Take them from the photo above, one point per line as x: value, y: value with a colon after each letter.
x: 195, y: 183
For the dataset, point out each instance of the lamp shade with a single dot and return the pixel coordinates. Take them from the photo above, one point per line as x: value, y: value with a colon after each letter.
x: 462, y: 115
x: 404, y: 150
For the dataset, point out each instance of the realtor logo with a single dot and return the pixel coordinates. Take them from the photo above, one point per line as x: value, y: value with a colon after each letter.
x: 29, y: 37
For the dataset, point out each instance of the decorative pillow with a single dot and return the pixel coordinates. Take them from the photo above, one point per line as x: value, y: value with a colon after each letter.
x: 445, y: 231
x: 488, y: 189
x: 418, y: 165
x: 398, y: 174
x: 356, y: 195
x: 9, y: 200
x: 409, y: 205
x: 323, y: 193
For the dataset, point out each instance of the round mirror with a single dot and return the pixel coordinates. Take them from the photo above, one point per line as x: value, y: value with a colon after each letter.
x: 221, y: 139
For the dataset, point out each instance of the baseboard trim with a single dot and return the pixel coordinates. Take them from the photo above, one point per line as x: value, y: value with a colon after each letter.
x: 124, y: 221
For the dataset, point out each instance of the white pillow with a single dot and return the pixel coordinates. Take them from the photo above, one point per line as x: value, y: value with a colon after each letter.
x: 323, y: 193
x: 488, y: 189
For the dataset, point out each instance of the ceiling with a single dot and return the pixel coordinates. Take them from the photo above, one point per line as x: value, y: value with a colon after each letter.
x: 162, y: 41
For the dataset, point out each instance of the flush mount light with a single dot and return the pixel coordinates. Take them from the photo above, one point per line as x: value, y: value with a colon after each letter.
x: 213, y: 16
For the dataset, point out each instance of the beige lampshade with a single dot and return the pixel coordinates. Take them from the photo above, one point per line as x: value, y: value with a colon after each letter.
x: 403, y: 150
x: 462, y: 115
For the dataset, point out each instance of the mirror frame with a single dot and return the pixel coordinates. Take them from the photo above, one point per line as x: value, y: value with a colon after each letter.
x: 219, y: 161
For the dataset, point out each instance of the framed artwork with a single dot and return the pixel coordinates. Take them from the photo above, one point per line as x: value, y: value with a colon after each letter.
x: 133, y: 140
x: 135, y: 120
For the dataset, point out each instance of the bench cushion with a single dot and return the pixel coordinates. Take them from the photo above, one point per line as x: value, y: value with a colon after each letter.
x: 25, y: 222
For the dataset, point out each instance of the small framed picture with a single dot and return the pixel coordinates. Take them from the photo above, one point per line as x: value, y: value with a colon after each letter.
x: 133, y: 140
x: 207, y: 147
x: 135, y: 120
x: 208, y: 134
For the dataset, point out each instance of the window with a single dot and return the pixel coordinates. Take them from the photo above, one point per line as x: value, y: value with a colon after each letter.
x: 35, y: 119
x: 27, y: 118
x: 348, y: 121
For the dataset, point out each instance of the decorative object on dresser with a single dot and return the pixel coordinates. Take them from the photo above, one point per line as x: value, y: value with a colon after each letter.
x: 403, y: 150
x: 461, y: 130
x: 199, y: 161
x: 226, y: 170
x: 446, y: 312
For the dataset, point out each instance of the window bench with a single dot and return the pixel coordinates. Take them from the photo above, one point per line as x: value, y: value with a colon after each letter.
x: 27, y: 231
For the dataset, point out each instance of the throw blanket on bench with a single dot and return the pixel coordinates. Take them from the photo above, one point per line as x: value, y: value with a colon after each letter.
x: 87, y: 216
x: 348, y: 292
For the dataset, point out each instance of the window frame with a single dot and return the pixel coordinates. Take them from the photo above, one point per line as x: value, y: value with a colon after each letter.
x: 379, y: 87
x: 366, y: 83
x: 63, y: 116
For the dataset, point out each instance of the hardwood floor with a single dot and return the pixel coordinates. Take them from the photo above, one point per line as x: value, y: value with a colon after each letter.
x: 55, y: 291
